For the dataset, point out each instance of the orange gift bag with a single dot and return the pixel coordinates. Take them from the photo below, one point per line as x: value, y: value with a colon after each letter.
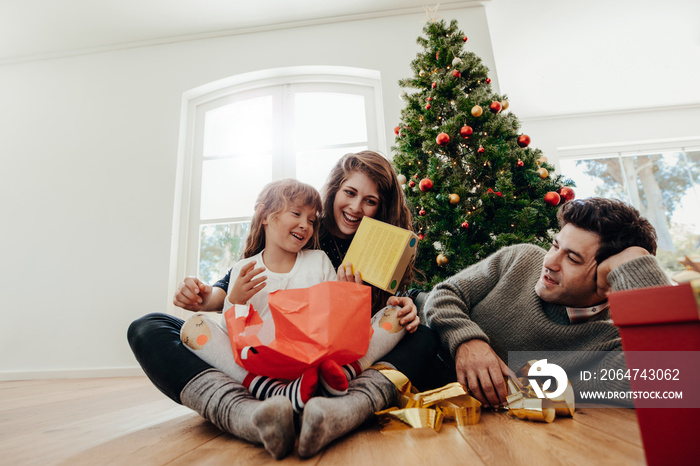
x: 330, y: 320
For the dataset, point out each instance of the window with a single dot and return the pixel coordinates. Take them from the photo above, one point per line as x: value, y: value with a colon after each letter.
x: 660, y: 178
x: 248, y: 130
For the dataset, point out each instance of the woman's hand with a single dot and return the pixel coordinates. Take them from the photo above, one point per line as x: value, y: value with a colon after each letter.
x: 345, y: 274
x: 247, y: 284
x: 408, y: 314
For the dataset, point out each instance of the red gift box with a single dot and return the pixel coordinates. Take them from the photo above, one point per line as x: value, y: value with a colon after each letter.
x: 662, y: 319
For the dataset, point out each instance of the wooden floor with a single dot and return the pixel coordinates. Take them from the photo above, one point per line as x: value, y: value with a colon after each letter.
x: 128, y: 421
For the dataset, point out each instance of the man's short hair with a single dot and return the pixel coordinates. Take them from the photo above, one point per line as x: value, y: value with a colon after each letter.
x: 618, y: 224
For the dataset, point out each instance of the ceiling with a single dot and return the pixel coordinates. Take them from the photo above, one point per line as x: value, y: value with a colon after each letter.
x: 553, y: 57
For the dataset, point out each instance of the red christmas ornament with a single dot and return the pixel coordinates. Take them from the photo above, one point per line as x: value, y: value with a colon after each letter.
x: 490, y: 191
x: 411, y: 183
x: 429, y: 99
x: 495, y: 107
x: 521, y: 163
x: 465, y: 225
x: 464, y: 38
x: 456, y: 74
x: 442, y: 139
x: 466, y: 131
x: 434, y: 85
x: 422, y: 211
x: 421, y: 236
x: 488, y: 80
x: 396, y: 130
x: 498, y: 193
x: 426, y: 184
x: 481, y: 150
x: 566, y: 193
x: 552, y: 198
x: 428, y: 106
x: 523, y: 140
x: 415, y: 176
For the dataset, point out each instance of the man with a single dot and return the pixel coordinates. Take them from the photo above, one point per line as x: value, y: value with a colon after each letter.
x: 523, y: 298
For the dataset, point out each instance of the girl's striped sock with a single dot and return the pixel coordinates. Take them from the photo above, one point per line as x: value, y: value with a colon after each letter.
x: 299, y: 391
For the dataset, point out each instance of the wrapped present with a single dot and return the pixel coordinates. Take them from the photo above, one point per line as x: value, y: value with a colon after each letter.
x: 331, y: 320
x: 662, y: 323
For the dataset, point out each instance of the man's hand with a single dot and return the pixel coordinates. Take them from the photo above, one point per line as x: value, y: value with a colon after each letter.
x: 192, y: 295
x: 482, y: 371
x: 408, y: 314
x: 607, y: 266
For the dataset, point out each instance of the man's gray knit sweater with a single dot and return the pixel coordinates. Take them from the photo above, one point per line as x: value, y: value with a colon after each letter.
x: 495, y: 300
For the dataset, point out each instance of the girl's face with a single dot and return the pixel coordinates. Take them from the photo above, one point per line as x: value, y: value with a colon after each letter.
x: 357, y: 197
x: 290, y: 229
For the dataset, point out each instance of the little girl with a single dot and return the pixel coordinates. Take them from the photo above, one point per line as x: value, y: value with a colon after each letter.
x: 283, y: 228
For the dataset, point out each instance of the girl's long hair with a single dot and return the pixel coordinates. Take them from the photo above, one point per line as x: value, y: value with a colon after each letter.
x: 392, y: 204
x: 277, y: 197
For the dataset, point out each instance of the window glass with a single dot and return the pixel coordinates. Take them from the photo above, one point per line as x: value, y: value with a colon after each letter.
x: 328, y: 119
x: 664, y: 187
x: 239, y: 128
x: 220, y: 246
x: 230, y: 185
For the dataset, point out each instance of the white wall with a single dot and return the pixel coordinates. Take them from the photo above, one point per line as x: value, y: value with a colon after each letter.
x: 87, y: 182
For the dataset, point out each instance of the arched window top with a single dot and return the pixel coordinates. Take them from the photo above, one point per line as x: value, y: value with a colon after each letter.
x: 283, y: 75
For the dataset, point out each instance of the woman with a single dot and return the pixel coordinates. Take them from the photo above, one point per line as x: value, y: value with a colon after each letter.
x: 361, y: 184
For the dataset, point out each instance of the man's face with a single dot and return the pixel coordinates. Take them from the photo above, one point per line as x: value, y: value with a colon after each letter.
x: 569, y: 269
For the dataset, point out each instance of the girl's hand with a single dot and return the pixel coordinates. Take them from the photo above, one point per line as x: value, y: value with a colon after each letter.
x: 192, y: 294
x: 408, y: 314
x: 345, y: 274
x: 246, y: 284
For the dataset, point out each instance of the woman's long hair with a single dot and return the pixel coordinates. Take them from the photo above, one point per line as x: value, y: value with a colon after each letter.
x: 277, y: 197
x: 392, y: 204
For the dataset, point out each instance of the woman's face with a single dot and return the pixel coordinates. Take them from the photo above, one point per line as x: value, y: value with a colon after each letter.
x: 357, y: 197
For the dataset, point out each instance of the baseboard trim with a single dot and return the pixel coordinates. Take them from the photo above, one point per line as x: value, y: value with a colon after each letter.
x: 73, y: 374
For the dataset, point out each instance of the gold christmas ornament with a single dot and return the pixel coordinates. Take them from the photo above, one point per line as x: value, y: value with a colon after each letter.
x: 441, y: 260
x: 542, y: 172
x: 477, y: 110
x: 504, y: 104
x: 541, y: 160
x: 454, y: 198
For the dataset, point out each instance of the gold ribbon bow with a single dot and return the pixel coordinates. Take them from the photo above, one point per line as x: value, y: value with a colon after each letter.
x: 427, y: 409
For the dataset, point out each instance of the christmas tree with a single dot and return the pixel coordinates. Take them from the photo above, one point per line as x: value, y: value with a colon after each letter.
x: 471, y: 179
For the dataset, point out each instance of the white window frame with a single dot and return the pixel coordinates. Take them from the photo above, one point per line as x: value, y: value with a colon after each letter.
x: 196, y: 102
x: 627, y: 149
